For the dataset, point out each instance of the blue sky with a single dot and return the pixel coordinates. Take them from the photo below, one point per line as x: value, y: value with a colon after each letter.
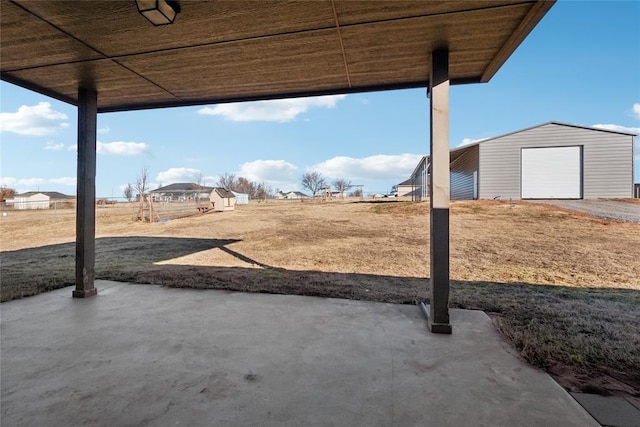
x: 580, y: 65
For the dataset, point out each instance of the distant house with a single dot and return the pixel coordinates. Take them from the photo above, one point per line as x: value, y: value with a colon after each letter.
x: 38, y: 199
x: 407, y: 188
x: 291, y: 195
x: 222, y: 200
x: 219, y: 198
x: 296, y: 195
x: 241, y: 198
x: 181, y: 191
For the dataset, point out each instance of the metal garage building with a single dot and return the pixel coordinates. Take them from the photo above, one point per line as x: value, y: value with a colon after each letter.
x: 549, y: 161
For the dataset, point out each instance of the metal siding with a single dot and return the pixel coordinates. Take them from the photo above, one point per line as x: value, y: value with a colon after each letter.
x: 420, y: 178
x: 462, y: 170
x: 607, y: 167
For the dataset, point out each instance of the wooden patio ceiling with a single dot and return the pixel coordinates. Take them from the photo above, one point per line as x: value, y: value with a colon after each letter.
x: 225, y: 51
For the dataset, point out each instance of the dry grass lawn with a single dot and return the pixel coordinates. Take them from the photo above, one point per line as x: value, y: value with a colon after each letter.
x: 562, y: 287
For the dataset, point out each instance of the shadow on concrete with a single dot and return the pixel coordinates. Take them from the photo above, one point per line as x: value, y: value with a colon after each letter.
x: 30, y: 271
x: 566, y: 330
x: 156, y: 356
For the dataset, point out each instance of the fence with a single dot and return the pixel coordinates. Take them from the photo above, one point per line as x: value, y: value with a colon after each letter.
x: 116, y: 207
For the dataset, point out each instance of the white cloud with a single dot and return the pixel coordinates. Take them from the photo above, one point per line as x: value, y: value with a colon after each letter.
x: 173, y: 175
x: 636, y: 110
x: 30, y: 182
x: 36, y: 120
x: 618, y: 128
x: 33, y: 184
x: 64, y: 180
x: 380, y: 166
x: 467, y: 141
x: 210, y: 180
x: 7, y: 181
x: 120, y: 148
x: 104, y: 130
x: 53, y: 146
x: 279, y: 110
x: 277, y: 173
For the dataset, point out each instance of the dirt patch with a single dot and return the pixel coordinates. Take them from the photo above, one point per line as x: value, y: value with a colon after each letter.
x: 562, y: 287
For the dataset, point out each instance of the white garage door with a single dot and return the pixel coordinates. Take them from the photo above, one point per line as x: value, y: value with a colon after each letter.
x: 551, y: 173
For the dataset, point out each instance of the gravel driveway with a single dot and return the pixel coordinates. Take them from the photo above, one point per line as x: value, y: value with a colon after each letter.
x: 619, y: 211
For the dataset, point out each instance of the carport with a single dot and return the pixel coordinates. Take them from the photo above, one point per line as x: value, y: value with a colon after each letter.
x: 105, y: 56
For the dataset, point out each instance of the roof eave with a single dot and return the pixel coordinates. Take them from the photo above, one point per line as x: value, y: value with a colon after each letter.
x: 525, y: 27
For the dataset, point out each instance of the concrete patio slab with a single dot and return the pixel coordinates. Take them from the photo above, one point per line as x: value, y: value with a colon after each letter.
x: 147, y: 355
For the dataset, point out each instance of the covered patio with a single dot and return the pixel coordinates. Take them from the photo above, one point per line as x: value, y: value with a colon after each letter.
x: 137, y: 354
x: 149, y: 355
x: 108, y: 56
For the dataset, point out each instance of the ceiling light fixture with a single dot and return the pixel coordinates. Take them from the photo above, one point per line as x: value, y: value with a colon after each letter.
x: 158, y: 12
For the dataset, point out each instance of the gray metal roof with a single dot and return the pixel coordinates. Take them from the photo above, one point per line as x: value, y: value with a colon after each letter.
x: 184, y: 187
x: 51, y: 194
x: 540, y: 125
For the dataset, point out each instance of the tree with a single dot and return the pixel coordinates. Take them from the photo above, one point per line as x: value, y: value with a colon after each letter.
x: 313, y: 181
x: 263, y: 191
x: 200, y: 182
x: 243, y: 185
x: 228, y: 181
x: 141, y: 186
x: 142, y: 183
x: 341, y: 185
x: 6, y: 193
x: 128, y: 192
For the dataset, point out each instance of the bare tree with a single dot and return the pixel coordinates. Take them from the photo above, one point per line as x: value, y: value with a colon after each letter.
x: 228, y: 181
x: 243, y: 185
x: 128, y: 192
x: 141, y: 186
x: 6, y: 193
x: 142, y: 183
x: 341, y: 185
x: 263, y: 191
x: 357, y: 193
x: 313, y: 181
x: 200, y: 183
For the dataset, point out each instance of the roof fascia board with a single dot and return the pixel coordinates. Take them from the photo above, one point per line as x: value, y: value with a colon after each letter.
x: 537, y: 126
x: 527, y: 25
x: 423, y: 84
x: 591, y: 128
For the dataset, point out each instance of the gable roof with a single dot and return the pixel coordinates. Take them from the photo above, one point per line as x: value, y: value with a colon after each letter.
x: 540, y: 125
x: 297, y: 193
x: 187, y: 187
x: 51, y: 194
x: 228, y: 51
x: 224, y: 193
